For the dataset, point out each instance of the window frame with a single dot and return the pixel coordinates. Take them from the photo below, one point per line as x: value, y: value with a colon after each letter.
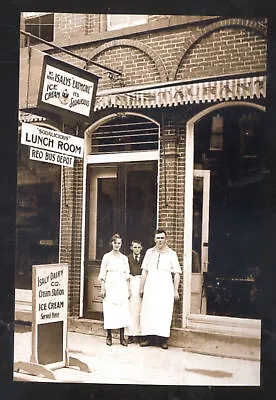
x: 39, y: 17
x: 142, y: 19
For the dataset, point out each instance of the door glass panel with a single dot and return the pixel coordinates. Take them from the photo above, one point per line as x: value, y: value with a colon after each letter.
x: 200, y: 239
x: 141, y: 197
x: 106, y: 210
x: 197, y: 223
x: 102, y: 209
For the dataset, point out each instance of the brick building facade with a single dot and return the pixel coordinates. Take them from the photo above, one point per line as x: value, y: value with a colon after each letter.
x: 179, y: 76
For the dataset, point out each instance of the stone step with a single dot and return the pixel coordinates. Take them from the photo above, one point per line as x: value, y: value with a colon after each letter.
x: 197, y: 341
x: 216, y: 336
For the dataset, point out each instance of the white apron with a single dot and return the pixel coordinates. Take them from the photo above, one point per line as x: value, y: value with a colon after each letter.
x: 157, y: 304
x: 133, y: 329
x: 114, y: 272
x: 115, y: 303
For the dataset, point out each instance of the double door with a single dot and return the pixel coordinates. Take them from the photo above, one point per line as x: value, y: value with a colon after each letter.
x: 122, y: 199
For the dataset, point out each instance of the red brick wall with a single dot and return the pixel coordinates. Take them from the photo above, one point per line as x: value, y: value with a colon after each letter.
x: 71, y: 227
x: 153, y: 56
x: 227, y: 51
x: 66, y: 24
x: 137, y: 67
x: 171, y: 191
x: 94, y: 23
x: 67, y: 176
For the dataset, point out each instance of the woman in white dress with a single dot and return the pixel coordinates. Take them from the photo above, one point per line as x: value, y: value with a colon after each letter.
x: 114, y: 277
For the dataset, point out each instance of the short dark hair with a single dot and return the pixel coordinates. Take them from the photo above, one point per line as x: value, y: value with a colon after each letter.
x: 160, y: 230
x: 136, y: 241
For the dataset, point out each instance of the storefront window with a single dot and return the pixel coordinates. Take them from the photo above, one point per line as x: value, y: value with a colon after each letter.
x: 231, y: 148
x: 37, y: 216
x: 37, y: 230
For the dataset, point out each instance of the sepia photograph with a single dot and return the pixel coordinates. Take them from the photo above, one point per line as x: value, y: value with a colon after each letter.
x: 140, y: 178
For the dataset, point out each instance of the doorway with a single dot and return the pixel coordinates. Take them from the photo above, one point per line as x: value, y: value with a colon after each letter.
x: 229, y: 143
x: 122, y: 192
x: 123, y: 199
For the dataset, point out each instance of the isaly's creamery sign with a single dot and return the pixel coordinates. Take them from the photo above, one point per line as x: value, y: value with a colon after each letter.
x: 67, y: 88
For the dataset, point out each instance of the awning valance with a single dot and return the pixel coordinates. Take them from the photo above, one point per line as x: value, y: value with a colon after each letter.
x: 27, y: 117
x: 184, y: 93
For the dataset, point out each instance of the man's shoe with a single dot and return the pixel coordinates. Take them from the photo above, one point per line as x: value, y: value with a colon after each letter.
x: 109, y: 341
x: 123, y: 342
x: 130, y: 340
x: 164, y: 346
x: 144, y: 343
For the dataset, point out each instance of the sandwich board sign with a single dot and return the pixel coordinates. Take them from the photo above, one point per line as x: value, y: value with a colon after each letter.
x: 49, y: 322
x: 49, y: 299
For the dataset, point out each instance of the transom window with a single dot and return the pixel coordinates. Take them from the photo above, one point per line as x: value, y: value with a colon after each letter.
x: 124, y: 135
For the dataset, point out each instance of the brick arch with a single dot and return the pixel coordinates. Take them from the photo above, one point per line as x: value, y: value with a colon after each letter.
x: 138, y: 45
x: 225, y: 23
x: 110, y: 117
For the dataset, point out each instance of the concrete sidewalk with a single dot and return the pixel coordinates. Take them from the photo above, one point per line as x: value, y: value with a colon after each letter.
x: 136, y: 365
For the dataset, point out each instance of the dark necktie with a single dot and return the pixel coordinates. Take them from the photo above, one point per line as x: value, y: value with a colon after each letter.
x: 136, y: 259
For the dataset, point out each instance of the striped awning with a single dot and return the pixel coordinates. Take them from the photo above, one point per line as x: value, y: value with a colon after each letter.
x: 184, y: 93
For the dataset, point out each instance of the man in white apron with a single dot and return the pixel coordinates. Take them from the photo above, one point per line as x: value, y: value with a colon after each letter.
x: 135, y: 259
x: 159, y: 288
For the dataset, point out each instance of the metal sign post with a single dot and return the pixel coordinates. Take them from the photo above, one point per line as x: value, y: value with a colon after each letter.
x: 49, y: 323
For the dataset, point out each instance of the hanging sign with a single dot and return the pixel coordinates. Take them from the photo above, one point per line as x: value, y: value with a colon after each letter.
x: 51, y: 146
x: 67, y: 90
x: 50, y: 157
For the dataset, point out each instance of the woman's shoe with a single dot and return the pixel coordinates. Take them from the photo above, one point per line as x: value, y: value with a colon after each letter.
x: 109, y: 341
x: 123, y: 342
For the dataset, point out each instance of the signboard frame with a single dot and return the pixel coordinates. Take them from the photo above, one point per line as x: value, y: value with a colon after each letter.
x: 70, y: 116
x: 48, y: 145
x: 36, y: 321
x: 34, y: 367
